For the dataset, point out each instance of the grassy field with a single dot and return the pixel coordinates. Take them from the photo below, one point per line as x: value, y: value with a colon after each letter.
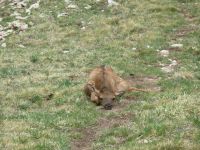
x: 43, y: 70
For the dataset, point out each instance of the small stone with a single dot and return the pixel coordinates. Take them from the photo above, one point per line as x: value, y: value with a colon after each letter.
x: 67, y: 1
x: 167, y: 69
x: 3, y: 45
x: 21, y: 18
x: 88, y: 7
x: 65, y: 52
x: 21, y: 46
x: 134, y: 49
x: 173, y: 63
x: 1, y: 19
x: 62, y: 14
x: 72, y: 6
x: 83, y: 28
x: 112, y: 3
x: 164, y: 53
x: 177, y: 45
x: 23, y: 27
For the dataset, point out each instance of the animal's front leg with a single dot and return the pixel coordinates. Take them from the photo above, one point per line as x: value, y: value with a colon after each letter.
x: 122, y: 87
x: 92, y: 93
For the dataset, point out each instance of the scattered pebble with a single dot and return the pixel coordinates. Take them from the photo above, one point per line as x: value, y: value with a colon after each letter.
x: 88, y: 7
x: 21, y: 46
x: 65, y: 52
x: 17, y: 25
x: 167, y: 69
x: 72, y: 6
x: 134, y: 49
x: 164, y: 53
x: 3, y: 45
x: 170, y: 67
x: 177, y: 45
x: 67, y: 1
x: 112, y: 3
x: 62, y: 14
x: 21, y: 18
x: 33, y: 6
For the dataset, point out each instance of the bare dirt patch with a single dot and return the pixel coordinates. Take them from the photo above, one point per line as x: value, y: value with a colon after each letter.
x: 149, y: 83
x: 91, y: 133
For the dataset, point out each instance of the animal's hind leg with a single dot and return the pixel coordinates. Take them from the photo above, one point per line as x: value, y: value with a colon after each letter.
x: 122, y: 87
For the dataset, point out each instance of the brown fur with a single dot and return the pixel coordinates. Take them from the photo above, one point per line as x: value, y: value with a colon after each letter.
x: 104, y: 85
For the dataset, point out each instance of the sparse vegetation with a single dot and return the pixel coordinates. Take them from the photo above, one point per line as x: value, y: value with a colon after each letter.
x: 54, y: 55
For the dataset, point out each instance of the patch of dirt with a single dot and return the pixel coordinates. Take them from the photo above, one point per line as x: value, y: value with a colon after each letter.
x: 91, y: 133
x: 148, y: 83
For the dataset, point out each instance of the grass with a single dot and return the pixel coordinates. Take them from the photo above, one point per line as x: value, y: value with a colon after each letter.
x: 59, y: 53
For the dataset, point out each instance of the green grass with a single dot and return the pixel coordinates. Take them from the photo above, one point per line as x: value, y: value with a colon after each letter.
x: 58, y: 55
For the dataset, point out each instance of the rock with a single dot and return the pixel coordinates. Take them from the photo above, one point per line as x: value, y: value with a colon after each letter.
x: 21, y: 4
x: 72, y: 6
x: 64, y: 52
x: 67, y: 1
x: 3, y: 45
x: 167, y: 69
x: 21, y: 18
x: 62, y: 14
x: 33, y: 6
x: 164, y: 53
x: 1, y: 19
x: 177, y: 45
x: 88, y: 7
x: 21, y: 46
x: 83, y: 28
x: 23, y: 27
x: 17, y: 25
x: 112, y: 3
x: 134, y: 49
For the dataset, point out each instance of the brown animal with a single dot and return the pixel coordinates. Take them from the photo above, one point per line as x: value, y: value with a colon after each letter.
x: 104, y: 85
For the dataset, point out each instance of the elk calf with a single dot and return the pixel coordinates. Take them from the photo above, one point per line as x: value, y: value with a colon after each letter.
x: 104, y: 85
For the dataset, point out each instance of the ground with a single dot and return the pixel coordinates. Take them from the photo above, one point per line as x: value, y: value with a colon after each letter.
x: 44, y: 66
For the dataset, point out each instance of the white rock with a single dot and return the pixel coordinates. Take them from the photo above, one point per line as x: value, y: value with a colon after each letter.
x: 18, y: 25
x: 67, y: 1
x: 23, y: 27
x: 134, y: 49
x: 177, y: 45
x: 164, y: 53
x: 21, y: 18
x: 21, y: 5
x: 3, y: 45
x: 65, y: 52
x: 112, y: 3
x: 21, y: 46
x: 173, y: 63
x: 33, y: 6
x: 88, y: 7
x: 1, y: 19
x: 72, y: 6
x: 167, y: 69
x: 62, y: 14
x: 83, y: 28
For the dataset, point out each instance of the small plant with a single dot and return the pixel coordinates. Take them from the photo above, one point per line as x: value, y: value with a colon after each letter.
x: 34, y: 58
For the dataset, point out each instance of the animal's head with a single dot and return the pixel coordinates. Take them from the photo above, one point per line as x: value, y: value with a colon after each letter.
x: 107, y: 99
